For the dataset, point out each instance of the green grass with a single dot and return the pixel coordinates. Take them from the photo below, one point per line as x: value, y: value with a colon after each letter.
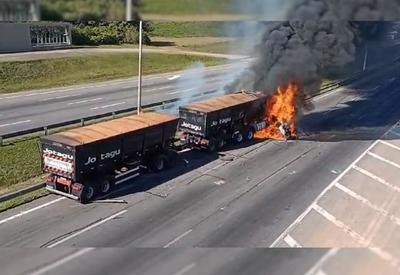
x: 188, y: 29
x: 26, y: 75
x: 23, y: 199
x: 19, y: 162
x: 184, y: 7
x: 226, y: 47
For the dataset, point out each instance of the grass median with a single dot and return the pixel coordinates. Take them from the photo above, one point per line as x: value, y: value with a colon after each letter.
x: 35, y: 74
x: 19, y: 162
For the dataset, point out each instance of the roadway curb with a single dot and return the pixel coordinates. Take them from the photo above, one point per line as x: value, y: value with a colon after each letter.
x: 27, y: 190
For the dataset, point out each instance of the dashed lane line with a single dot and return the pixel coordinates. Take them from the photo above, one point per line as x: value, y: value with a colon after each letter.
x: 15, y: 123
x: 23, y: 213
x: 87, y: 229
x: 108, y: 106
x: 62, y: 261
x: 178, y: 238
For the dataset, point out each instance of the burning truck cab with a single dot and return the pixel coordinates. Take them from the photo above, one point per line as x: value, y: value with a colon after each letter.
x: 212, y: 123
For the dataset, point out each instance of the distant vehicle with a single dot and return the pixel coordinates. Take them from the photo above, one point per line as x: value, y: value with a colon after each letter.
x: 89, y: 161
x: 212, y: 123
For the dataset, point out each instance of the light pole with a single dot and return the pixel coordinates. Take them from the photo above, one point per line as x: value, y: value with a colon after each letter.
x: 365, y: 58
x: 128, y: 10
x: 139, y: 100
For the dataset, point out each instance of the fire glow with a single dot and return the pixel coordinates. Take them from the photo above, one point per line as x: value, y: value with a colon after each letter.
x: 281, y: 114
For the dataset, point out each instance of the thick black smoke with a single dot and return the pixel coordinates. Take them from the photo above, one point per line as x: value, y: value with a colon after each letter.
x: 316, y: 36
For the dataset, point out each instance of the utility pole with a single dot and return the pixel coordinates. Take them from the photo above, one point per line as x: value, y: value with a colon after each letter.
x: 139, y: 100
x: 365, y: 58
x: 128, y: 10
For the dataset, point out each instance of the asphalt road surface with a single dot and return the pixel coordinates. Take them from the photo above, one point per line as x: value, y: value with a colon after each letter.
x: 34, y: 109
x: 228, y: 205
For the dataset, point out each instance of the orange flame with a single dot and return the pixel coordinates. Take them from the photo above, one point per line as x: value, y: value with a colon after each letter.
x: 281, y: 112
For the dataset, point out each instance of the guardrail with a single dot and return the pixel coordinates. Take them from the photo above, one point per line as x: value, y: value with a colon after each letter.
x: 44, y: 130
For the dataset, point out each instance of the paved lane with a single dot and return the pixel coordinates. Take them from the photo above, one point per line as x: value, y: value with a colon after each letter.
x: 32, y: 109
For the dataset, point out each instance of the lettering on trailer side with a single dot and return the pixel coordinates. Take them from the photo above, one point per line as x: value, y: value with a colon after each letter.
x: 190, y: 126
x: 109, y: 155
x: 225, y: 120
x: 57, y: 154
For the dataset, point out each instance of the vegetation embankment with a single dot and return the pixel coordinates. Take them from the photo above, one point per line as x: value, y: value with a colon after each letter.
x: 34, y: 74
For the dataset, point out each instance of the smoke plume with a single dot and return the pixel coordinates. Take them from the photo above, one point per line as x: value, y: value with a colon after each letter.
x: 316, y: 36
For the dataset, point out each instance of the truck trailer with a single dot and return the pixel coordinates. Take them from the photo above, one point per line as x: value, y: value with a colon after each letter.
x: 211, y: 123
x: 86, y: 162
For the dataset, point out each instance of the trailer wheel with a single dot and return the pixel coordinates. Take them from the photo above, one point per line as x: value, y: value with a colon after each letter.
x: 212, y: 145
x: 239, y: 138
x: 88, y: 193
x: 220, y: 143
x: 105, y: 187
x: 158, y: 163
x: 249, y: 134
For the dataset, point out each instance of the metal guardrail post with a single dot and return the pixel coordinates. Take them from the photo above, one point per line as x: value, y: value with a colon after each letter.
x: 82, y: 122
x: 1, y: 141
x: 46, y: 131
x: 113, y: 115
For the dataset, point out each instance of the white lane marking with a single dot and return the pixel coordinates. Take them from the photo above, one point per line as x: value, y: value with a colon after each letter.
x: 376, y: 178
x: 178, y: 238
x: 174, y: 77
x: 291, y: 242
x: 368, y: 203
x: 308, y: 210
x: 384, y: 160
x: 385, y: 143
x: 395, y: 133
x: 318, y: 265
x: 214, y: 168
x: 394, y: 261
x: 108, y: 106
x: 58, y: 97
x: 85, y: 101
x: 321, y: 272
x: 181, y: 92
x: 341, y: 225
x: 87, y: 229
x: 31, y: 210
x: 15, y: 123
x: 186, y: 269
x: 62, y: 261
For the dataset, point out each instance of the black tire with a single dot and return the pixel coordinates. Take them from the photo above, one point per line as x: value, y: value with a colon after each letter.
x: 212, y: 145
x: 172, y: 158
x: 239, y: 138
x: 88, y: 193
x: 158, y: 163
x: 105, y: 187
x: 249, y: 134
x: 220, y: 143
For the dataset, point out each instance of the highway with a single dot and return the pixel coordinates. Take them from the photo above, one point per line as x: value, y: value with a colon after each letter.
x: 34, y: 109
x: 228, y: 205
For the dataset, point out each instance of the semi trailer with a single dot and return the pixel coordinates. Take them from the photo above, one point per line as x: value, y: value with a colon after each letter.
x: 89, y: 161
x: 212, y: 123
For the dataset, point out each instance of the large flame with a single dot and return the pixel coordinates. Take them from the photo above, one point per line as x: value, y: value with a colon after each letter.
x: 281, y: 112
